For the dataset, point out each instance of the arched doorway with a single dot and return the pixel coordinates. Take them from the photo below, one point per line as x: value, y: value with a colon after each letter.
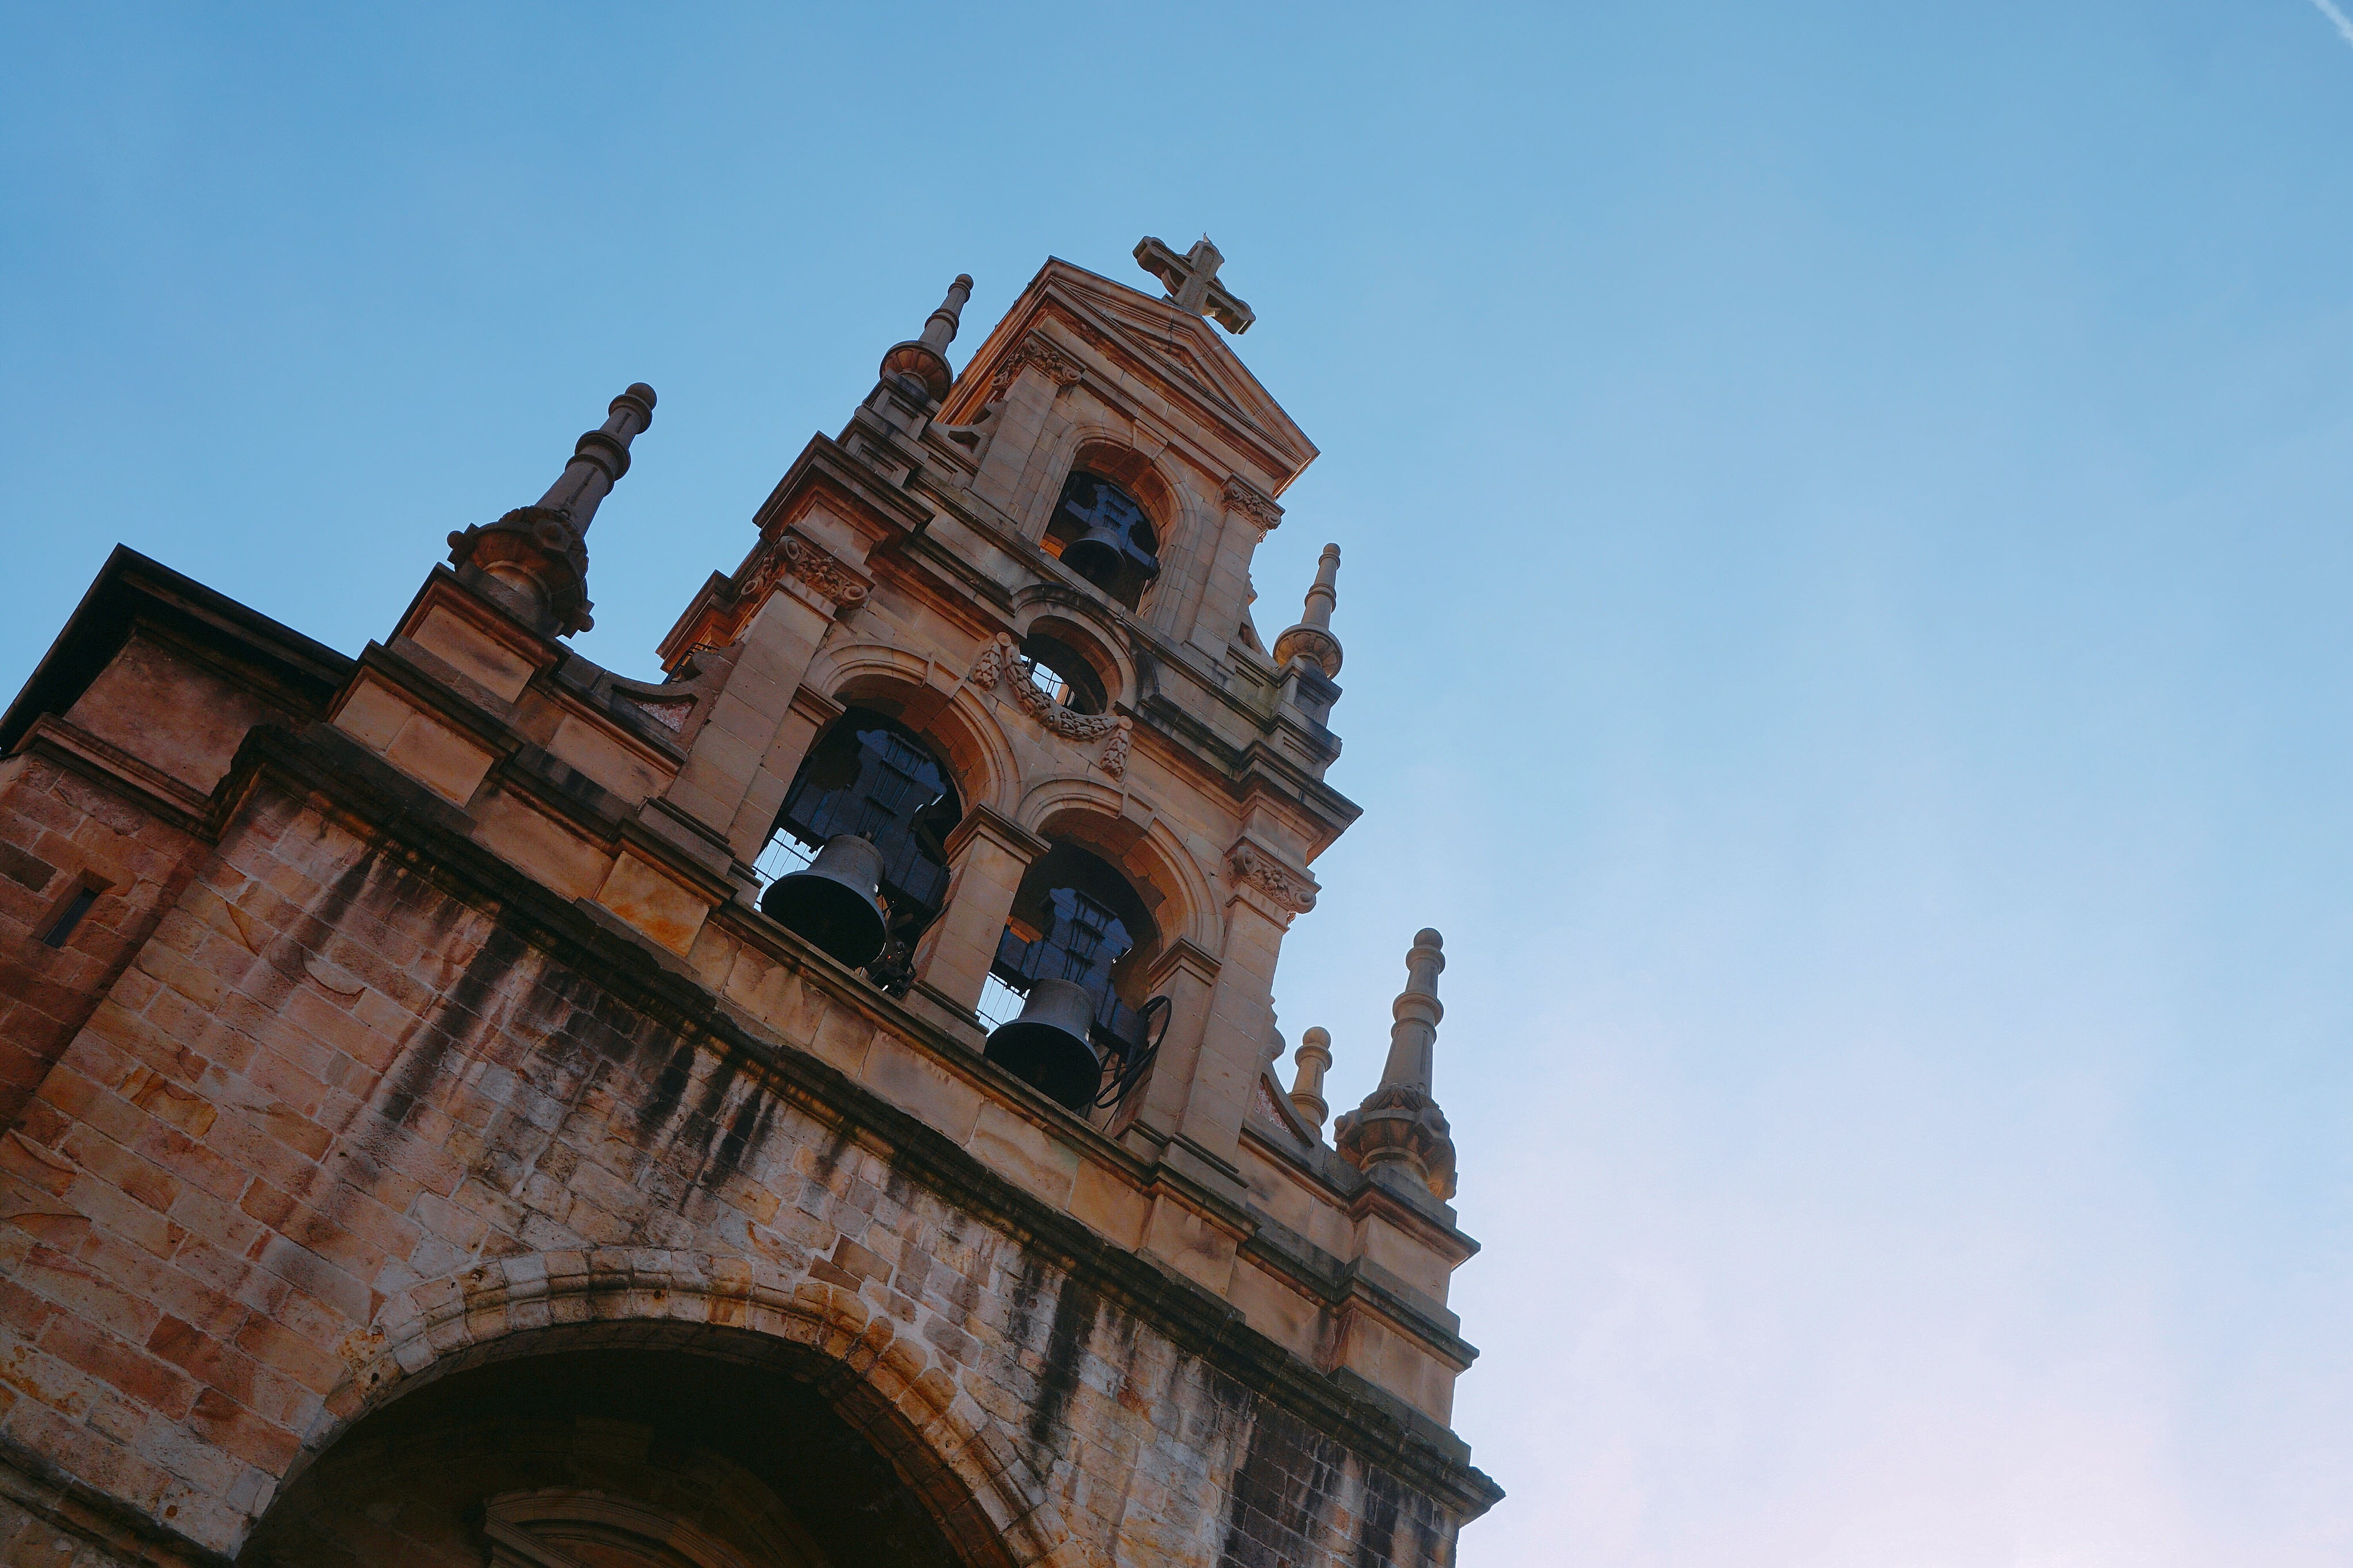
x: 724, y: 1453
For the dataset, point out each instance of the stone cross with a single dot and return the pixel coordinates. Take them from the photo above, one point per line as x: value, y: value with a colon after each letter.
x: 1192, y: 281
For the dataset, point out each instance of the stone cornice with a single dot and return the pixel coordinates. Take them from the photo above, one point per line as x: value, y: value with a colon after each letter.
x: 824, y: 465
x: 290, y: 669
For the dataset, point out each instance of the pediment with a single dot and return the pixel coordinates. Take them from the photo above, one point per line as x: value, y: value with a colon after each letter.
x: 1184, y: 357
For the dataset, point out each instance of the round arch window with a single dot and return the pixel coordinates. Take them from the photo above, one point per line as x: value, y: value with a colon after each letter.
x: 1064, y: 675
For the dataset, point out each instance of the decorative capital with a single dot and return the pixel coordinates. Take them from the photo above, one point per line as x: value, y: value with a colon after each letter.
x: 804, y: 561
x: 1052, y: 362
x: 1293, y: 890
x: 1246, y: 498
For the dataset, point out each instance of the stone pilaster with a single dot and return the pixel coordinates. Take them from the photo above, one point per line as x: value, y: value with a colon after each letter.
x: 1266, y: 893
x: 1188, y: 977
x: 745, y: 752
x: 1250, y: 517
x: 987, y: 855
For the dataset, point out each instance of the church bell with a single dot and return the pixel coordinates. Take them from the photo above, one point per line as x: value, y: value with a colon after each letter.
x: 1098, y: 554
x: 1115, y: 540
x: 832, y: 901
x: 1047, y: 1045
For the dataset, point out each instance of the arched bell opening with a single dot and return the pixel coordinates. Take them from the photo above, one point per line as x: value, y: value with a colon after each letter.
x: 858, y: 861
x: 721, y: 1452
x: 1067, y: 990
x: 1102, y: 528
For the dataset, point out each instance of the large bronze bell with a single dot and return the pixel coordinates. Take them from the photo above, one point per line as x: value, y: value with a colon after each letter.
x: 1047, y: 1045
x: 831, y: 900
x: 1098, y: 554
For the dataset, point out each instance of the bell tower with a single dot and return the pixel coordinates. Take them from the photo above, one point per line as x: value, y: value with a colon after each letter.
x: 848, y: 1062
x: 1036, y: 574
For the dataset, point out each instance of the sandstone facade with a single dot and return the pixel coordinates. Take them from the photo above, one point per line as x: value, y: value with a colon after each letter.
x: 419, y: 1146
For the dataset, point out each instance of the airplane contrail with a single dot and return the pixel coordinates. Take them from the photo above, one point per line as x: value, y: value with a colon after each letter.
x: 2344, y: 24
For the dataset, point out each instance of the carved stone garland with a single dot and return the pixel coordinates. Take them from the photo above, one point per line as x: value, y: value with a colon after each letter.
x: 1001, y: 665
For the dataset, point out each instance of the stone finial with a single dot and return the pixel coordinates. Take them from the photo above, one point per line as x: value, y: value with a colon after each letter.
x: 1399, y: 1135
x: 534, y: 559
x: 1192, y: 282
x: 925, y: 358
x: 1312, y: 638
x: 1307, y: 1089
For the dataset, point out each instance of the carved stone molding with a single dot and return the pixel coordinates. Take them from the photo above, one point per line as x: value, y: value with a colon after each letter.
x: 1291, y: 888
x: 1246, y: 498
x: 1058, y: 367
x: 1001, y: 665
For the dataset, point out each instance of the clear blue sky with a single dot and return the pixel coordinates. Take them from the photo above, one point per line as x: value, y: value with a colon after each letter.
x: 1847, y: 567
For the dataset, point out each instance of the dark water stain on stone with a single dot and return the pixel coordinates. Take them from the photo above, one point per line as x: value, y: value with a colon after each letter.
x: 312, y: 929
x: 1028, y: 1285
x: 1279, y: 1503
x: 669, y: 1089
x: 1377, y: 1520
x: 828, y: 1158
x: 1429, y: 1531
x: 1075, y: 1310
x: 743, y: 1134
x: 463, y: 1011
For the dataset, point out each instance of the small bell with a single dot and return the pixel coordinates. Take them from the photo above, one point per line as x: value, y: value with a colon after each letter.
x: 1116, y: 538
x: 832, y: 901
x: 1046, y: 1045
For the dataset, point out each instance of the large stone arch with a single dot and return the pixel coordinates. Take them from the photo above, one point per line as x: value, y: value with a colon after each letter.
x: 968, y: 736
x: 885, y: 1383
x: 1097, y: 815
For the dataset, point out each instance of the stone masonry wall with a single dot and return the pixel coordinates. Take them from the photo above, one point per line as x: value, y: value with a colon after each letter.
x: 342, y: 1123
x: 59, y: 832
